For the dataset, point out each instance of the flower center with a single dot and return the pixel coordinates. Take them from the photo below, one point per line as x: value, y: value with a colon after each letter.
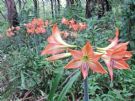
x: 85, y: 58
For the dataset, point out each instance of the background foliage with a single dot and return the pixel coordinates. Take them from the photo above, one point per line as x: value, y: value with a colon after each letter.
x: 27, y: 76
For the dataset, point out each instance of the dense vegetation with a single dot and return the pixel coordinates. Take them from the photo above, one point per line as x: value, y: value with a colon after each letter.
x: 25, y: 75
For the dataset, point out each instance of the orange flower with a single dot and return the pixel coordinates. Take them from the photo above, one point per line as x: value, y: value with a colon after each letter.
x: 56, y: 43
x: 114, y: 41
x: 17, y: 28
x: 82, y: 26
x: 40, y: 30
x: 30, y: 28
x: 65, y: 34
x: 72, y: 24
x: 36, y: 26
x: 64, y: 21
x: 12, y: 30
x: 38, y: 22
x: 75, y: 27
x: 72, y: 21
x: 115, y: 58
x: 115, y: 55
x: 84, y: 60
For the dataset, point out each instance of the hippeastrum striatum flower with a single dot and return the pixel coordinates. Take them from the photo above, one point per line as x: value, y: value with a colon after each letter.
x: 35, y: 26
x: 64, y: 21
x: 82, y: 26
x: 56, y: 43
x: 84, y: 60
x: 114, y: 41
x: 115, y: 58
x: 115, y: 55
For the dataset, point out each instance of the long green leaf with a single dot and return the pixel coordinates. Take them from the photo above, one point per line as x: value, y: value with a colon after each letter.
x: 55, y: 84
x: 22, y: 80
x: 68, y: 86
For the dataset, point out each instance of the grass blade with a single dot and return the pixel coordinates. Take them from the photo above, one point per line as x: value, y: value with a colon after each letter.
x: 68, y: 86
x: 55, y: 84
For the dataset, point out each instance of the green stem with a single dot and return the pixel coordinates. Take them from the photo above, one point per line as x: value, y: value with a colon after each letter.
x: 86, y: 96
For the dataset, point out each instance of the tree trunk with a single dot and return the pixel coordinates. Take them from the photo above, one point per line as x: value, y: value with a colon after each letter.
x: 58, y: 1
x: 103, y: 6
x: 55, y: 8
x: 70, y: 2
x: 52, y: 8
x: 12, y: 13
x: 35, y: 7
x: 20, y: 5
x: 88, y: 9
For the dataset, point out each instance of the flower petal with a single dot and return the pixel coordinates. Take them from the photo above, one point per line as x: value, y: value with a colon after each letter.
x: 97, y: 56
x: 57, y: 36
x: 82, y: 26
x: 120, y: 47
x: 73, y: 64
x: 64, y: 21
x: 75, y: 53
x: 75, y: 27
x: 58, y: 56
x: 114, y: 41
x: 72, y: 21
x: 51, y: 39
x: 53, y: 49
x: 119, y: 55
x: 97, y: 67
x: 127, y: 55
x: 87, y: 50
x: 84, y: 70
x: 56, y: 51
x: 109, y: 69
x: 119, y: 51
x: 120, y: 64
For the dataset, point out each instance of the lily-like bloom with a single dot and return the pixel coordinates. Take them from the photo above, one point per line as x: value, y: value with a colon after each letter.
x: 72, y: 24
x: 115, y: 58
x: 82, y: 26
x: 38, y: 22
x: 84, y: 60
x: 56, y: 43
x: 40, y: 30
x: 11, y: 31
x: 114, y: 41
x: 64, y: 21
x: 75, y: 27
x: 72, y: 21
x: 35, y: 26
x: 115, y: 55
